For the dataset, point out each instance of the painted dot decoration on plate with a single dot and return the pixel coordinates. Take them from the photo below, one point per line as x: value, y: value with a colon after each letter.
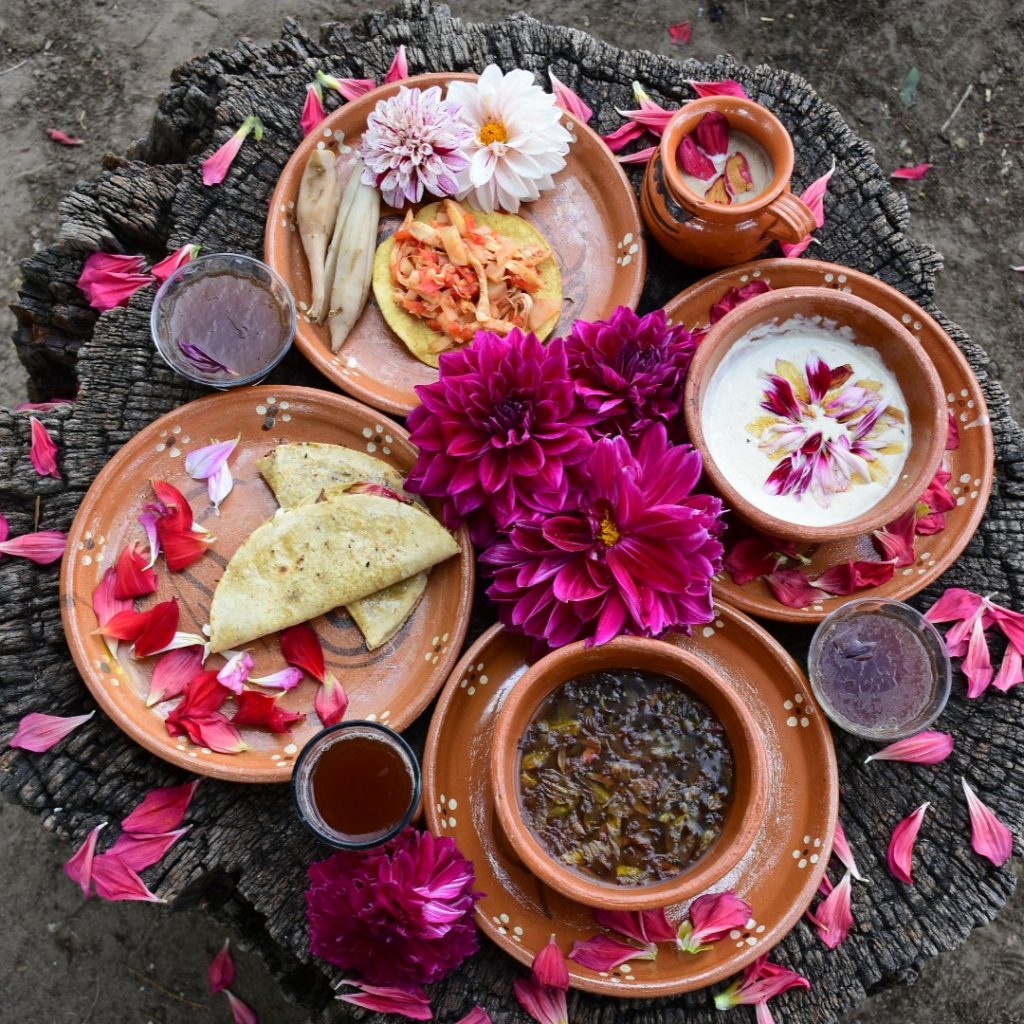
x: 799, y: 711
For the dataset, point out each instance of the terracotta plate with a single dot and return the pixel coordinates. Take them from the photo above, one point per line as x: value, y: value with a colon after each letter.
x: 590, y: 218
x: 972, y: 464
x: 779, y: 875
x: 393, y: 684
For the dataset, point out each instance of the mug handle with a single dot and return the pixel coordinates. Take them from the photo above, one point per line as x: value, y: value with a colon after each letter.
x: 793, y: 219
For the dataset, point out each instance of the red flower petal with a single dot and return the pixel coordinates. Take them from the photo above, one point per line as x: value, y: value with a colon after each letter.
x: 159, y: 629
x: 914, y: 173
x: 929, y: 747
x: 896, y: 539
x: 301, y: 647
x: 42, y: 547
x: 313, y: 111
x: 718, y: 192
x: 131, y: 577
x: 989, y: 836
x: 115, y: 881
x: 222, y: 969
x: 38, y: 732
x: 218, y: 163
x: 841, y: 849
x: 953, y: 437
x: 568, y: 100
x: 63, y: 138
x: 641, y: 156
x: 851, y: 576
x: 174, y: 505
x: 901, y: 845
x: 550, y: 968
x: 140, y: 852
x: 814, y: 197
x: 545, y: 1005
x: 681, y: 33
x: 180, y: 549
x: 260, y: 709
x: 385, y: 999
x: 109, y: 280
x: 977, y: 665
x: 834, y: 915
x: 712, y: 917
x: 44, y: 450
x: 737, y: 174
x: 604, y: 953
x: 623, y: 136
x: 793, y: 588
x: 712, y: 133
x: 727, y: 87
x: 399, y: 68
x: 331, y: 701
x: 735, y: 297
x: 79, y: 867
x: 161, y: 810
x: 214, y: 731
x: 241, y: 1013
x: 954, y: 605
x: 693, y: 160
x: 643, y: 925
x: 169, y: 264
x: 173, y: 672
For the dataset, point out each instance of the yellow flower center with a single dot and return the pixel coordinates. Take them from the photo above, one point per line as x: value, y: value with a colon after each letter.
x: 493, y: 131
x: 609, y: 531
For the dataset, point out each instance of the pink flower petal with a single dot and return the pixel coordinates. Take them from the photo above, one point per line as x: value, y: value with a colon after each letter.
x: 352, y: 88
x: 43, y: 547
x: 901, y: 845
x: 38, y: 732
x: 793, y: 588
x: 399, y: 68
x: 63, y: 138
x: 172, y: 674
x: 140, y: 852
x: 1011, y: 670
x: 5, y: 528
x: 217, y: 733
x: 977, y: 666
x: 109, y: 279
x: 896, y: 539
x: 760, y: 982
x: 604, y: 953
x: 728, y: 87
x: 219, y: 486
x: 841, y: 849
x: 241, y: 1012
x: 955, y: 604
x: 623, y: 136
x: 544, y: 1005
x: 643, y: 925
x: 385, y: 999
x: 203, y: 463
x: 167, y: 266
x: 681, y: 33
x: 313, y: 111
x: 989, y: 836
x: 641, y: 156
x: 115, y: 881
x: 222, y: 969
x: 712, y: 134
x: 331, y: 701
x: 148, y: 522
x: 914, y: 173
x: 44, y: 450
x: 851, y: 576
x: 79, y: 867
x: 834, y: 915
x: 652, y: 117
x: 1010, y: 623
x: 568, y: 100
x: 161, y: 810
x: 478, y: 1015
x: 550, y: 968
x: 929, y: 747
x: 104, y: 603
x: 236, y: 671
x: 217, y: 165
x: 814, y: 197
x: 55, y: 403
x: 285, y: 679
x: 693, y: 160
x: 712, y: 916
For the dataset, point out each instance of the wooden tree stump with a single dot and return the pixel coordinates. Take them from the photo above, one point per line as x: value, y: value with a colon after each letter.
x: 247, y: 855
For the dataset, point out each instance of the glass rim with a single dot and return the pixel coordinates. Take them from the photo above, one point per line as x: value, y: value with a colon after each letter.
x: 320, y: 740
x: 190, y: 267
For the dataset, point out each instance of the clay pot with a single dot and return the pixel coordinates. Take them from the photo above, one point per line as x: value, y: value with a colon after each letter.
x: 744, y: 818
x: 704, y: 234
x: 872, y: 328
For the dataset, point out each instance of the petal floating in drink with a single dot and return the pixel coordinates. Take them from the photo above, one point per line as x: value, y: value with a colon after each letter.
x: 217, y: 165
x: 39, y: 732
x: 718, y: 192
x: 79, y: 867
x: 989, y: 836
x: 901, y: 845
x: 929, y: 747
x: 712, y: 134
x: 737, y: 174
x: 43, y: 454
x: 569, y: 101
x: 693, y: 160
x: 202, y: 359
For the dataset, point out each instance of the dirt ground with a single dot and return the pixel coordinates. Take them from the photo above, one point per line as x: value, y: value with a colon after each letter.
x: 95, y: 69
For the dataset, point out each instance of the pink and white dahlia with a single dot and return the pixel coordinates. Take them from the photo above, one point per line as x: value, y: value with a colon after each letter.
x: 632, y: 550
x: 497, y: 432
x: 400, y: 914
x: 412, y: 145
x: 630, y: 371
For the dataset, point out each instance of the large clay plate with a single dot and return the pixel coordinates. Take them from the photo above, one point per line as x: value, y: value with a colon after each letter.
x: 972, y: 464
x: 779, y: 875
x: 392, y: 684
x: 591, y: 219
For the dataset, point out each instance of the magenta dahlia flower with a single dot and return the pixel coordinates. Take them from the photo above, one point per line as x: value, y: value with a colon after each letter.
x: 630, y: 371
x: 633, y: 551
x: 400, y: 914
x: 497, y: 432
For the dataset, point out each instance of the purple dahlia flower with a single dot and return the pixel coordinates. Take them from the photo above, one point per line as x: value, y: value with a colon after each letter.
x: 401, y: 914
x: 633, y: 551
x: 630, y: 371
x: 497, y: 432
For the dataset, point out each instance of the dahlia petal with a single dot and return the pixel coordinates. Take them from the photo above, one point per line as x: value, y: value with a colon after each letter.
x: 1011, y: 670
x: 109, y: 280
x: 161, y: 810
x: 353, y: 88
x: 550, y: 968
x: 41, y: 547
x: 399, y: 67
x: 727, y: 87
x: 313, y: 111
x: 181, y: 548
x: 139, y: 852
x: 478, y: 1015
x: 929, y: 747
x: 654, y: 118
x: 901, y: 846
x: 693, y: 160
x: 215, y: 732
x: 222, y: 969
x: 163, y: 270
x: 44, y: 450
x: 793, y: 588
x: 79, y: 866
x: 623, y: 136
x: 855, y: 575
x: 63, y: 138
x: 205, y: 462
x: 545, y: 1005
x: 955, y: 604
x: 712, y: 134
x: 895, y: 540
x: 301, y: 647
x: 977, y: 665
x: 643, y: 925
x: 604, y: 953
x: 750, y: 558
x: 953, y: 434
x: 217, y: 165
x: 989, y: 836
x: 711, y: 917
x: 331, y: 701
x: 640, y: 156
x: 760, y: 982
x: 262, y: 710
x: 681, y: 33
x: 38, y: 732
x: 569, y: 101
x: 115, y: 881
x: 387, y: 999
x: 241, y: 1012
x: 219, y: 486
x: 236, y: 671
x: 834, y: 915
x: 160, y: 626
x: 132, y: 578
x: 284, y: 679
x: 1010, y: 623
x: 173, y: 672
x: 912, y: 173
x: 841, y: 849
x: 814, y: 197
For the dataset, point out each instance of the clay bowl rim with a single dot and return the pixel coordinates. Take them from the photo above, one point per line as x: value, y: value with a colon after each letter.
x: 742, y: 114
x: 575, y: 659
x: 759, y: 309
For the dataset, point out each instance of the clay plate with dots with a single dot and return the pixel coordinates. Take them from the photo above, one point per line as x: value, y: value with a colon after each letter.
x: 590, y: 219
x: 392, y: 684
x: 779, y: 875
x: 972, y: 464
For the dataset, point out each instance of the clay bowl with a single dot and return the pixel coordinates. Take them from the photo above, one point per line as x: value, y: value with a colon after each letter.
x: 872, y: 328
x: 750, y: 769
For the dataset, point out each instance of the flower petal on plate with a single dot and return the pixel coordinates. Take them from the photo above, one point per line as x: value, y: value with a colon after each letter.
x: 241, y: 1012
x: 159, y: 629
x: 41, y: 547
x: 386, y: 999
x: 850, y: 576
x: 219, y: 486
x: 901, y: 845
x: 549, y: 966
x: 205, y: 462
x: 222, y: 969
x: 977, y: 665
x: 989, y: 836
x: 750, y: 558
x: 928, y: 747
x: 79, y: 866
x: 218, y: 163
x: 262, y: 710
x: 147, y: 520
x: 896, y: 539
x: 711, y: 917
x: 727, y: 87
x: 161, y: 810
x: 693, y: 160
x: 605, y: 953
x: 331, y: 701
x: 115, y: 881
x: 285, y: 679
x: 169, y: 264
x: 301, y: 647
x: 712, y: 134
x: 793, y: 588
x: 681, y: 33
x: 399, y: 68
x: 643, y: 925
x: 545, y: 1005
x: 236, y: 671
x: 841, y: 849
x: 914, y: 173
x: 43, y: 454
x: 132, y: 578
x: 63, y: 138
x: 313, y: 111
x: 834, y: 914
x: 38, y: 732
x: 172, y: 674
x: 215, y: 732
x: 181, y: 548
x: 141, y: 852
x: 568, y: 100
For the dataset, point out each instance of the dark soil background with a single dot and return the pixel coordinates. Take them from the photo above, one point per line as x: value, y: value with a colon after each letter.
x: 95, y: 69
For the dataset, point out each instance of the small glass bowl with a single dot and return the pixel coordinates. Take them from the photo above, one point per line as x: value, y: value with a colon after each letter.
x: 305, y: 766
x: 219, y: 263
x: 896, y: 727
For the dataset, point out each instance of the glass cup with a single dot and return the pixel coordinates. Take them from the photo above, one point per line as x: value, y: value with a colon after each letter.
x: 209, y: 355
x: 304, y: 784
x: 879, y: 669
